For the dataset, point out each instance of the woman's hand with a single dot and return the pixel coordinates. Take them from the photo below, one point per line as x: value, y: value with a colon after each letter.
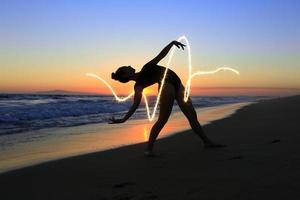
x: 165, y: 51
x: 178, y: 44
x: 116, y: 121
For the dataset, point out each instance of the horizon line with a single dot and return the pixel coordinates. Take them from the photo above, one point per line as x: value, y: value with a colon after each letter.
x: 204, y: 88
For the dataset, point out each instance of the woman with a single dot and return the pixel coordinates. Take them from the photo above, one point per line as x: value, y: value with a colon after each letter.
x: 150, y: 74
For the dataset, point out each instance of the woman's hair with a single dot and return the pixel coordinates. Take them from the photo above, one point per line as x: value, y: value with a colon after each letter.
x: 120, y: 74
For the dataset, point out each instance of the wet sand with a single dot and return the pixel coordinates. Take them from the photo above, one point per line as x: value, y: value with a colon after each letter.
x: 35, y: 147
x: 261, y: 162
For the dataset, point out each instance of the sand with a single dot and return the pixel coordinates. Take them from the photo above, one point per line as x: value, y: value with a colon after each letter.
x: 262, y: 161
x: 35, y: 147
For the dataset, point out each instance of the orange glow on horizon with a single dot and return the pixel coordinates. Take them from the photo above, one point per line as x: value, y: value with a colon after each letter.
x: 152, y: 91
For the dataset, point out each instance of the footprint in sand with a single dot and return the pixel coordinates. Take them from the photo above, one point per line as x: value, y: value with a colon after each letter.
x: 124, y: 184
x: 275, y: 141
x: 235, y: 158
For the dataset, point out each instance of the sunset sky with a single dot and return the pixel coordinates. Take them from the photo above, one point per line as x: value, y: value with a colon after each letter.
x: 50, y: 45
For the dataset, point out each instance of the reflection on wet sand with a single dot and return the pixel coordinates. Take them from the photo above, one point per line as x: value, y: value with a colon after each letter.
x: 63, y: 142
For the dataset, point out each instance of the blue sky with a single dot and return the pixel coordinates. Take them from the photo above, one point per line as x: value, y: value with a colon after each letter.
x: 251, y: 35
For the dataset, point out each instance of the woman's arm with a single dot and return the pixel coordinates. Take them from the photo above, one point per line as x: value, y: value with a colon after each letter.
x: 137, y: 100
x: 165, y: 51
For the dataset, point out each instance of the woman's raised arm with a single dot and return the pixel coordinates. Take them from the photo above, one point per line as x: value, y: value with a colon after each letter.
x: 165, y: 51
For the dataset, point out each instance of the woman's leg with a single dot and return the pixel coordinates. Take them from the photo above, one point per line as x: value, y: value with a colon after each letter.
x: 165, y: 108
x: 189, y: 111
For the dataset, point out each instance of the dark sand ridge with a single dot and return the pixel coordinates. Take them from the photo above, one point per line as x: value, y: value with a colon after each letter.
x: 262, y: 161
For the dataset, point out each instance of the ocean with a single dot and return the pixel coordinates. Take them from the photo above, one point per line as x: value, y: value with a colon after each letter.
x: 21, y: 113
x: 36, y: 128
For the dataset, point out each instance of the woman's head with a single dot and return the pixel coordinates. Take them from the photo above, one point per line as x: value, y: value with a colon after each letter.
x: 123, y: 74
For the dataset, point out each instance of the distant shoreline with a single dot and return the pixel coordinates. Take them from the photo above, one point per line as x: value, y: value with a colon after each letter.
x: 248, y: 91
x: 109, y: 95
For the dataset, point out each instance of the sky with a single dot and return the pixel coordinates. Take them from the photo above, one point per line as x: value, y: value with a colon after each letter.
x: 51, y: 45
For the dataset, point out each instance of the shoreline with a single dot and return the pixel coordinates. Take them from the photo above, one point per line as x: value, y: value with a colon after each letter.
x: 81, y: 140
x: 261, y: 162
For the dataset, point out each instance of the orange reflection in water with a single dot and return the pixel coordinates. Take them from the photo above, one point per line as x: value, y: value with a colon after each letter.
x: 95, y: 137
x: 146, y: 135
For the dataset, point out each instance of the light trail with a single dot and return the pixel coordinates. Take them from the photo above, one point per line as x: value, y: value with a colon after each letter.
x: 187, y: 86
x: 120, y: 99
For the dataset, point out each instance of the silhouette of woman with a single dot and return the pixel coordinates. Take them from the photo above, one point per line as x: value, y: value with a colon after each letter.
x: 150, y: 74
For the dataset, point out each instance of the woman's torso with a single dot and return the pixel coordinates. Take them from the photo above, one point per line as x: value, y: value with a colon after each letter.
x: 152, y: 73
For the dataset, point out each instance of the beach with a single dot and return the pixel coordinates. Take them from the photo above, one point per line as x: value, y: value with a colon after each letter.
x: 261, y: 161
x: 19, y: 150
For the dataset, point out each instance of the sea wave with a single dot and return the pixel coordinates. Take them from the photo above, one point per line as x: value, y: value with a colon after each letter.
x: 25, y: 112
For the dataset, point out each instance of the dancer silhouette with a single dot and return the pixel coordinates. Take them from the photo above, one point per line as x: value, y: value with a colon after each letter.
x: 173, y: 89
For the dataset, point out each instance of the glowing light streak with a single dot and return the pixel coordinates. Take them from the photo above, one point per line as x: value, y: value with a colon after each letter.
x: 120, y: 99
x: 187, y: 86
